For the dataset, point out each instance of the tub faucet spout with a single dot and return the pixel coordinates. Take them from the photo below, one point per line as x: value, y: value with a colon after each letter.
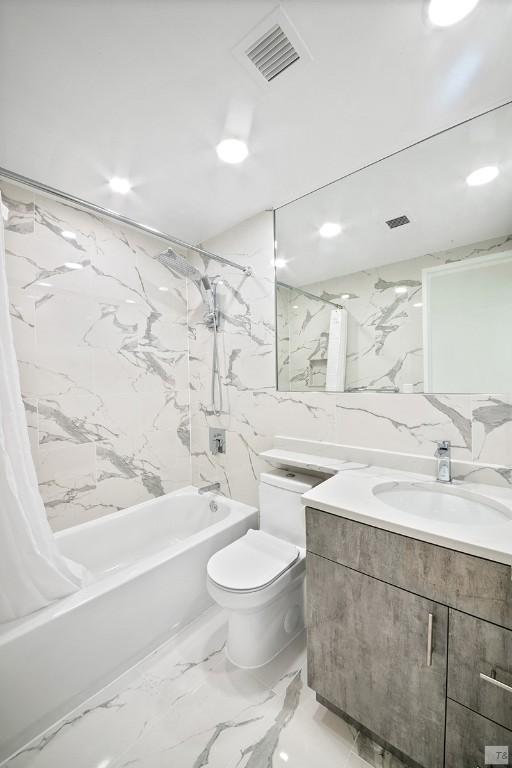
x: 209, y: 488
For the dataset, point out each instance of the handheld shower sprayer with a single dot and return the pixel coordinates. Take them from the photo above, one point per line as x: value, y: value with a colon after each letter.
x: 179, y: 265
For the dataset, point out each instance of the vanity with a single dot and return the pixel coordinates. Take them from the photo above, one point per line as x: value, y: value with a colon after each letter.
x: 409, y: 615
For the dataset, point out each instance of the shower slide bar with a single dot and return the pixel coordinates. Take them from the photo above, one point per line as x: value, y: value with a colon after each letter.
x: 25, y: 181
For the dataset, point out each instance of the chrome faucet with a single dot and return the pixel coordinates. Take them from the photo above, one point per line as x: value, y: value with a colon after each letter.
x: 208, y: 488
x: 444, y: 466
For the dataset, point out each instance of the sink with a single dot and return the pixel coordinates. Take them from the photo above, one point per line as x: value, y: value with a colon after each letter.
x: 445, y: 503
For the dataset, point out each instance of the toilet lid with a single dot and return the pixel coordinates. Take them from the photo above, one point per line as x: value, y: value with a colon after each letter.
x: 251, y: 562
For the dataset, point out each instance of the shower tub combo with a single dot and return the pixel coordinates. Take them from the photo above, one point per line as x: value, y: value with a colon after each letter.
x: 148, y: 579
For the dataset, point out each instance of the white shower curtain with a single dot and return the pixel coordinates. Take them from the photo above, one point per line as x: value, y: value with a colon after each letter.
x: 33, y: 573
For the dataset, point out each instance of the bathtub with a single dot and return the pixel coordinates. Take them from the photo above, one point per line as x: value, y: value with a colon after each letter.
x: 148, y: 579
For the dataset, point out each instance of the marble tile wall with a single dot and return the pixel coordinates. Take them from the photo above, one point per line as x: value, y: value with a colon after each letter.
x: 480, y: 428
x: 103, y: 356
x: 385, y: 335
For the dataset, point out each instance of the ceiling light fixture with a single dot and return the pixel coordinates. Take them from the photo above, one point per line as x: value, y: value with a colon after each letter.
x: 280, y: 263
x: 232, y: 151
x: 68, y: 234
x: 73, y: 265
x: 329, y: 229
x: 122, y: 186
x: 444, y: 13
x: 482, y: 176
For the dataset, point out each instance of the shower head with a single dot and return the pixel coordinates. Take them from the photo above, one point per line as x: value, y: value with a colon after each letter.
x: 179, y: 264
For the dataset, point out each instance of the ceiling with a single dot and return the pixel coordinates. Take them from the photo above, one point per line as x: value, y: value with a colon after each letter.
x: 145, y: 89
x: 427, y: 183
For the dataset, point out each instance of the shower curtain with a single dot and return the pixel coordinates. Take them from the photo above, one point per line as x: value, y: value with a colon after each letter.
x: 33, y: 573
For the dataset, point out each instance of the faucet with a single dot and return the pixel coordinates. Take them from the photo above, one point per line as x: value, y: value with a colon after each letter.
x: 208, y: 488
x: 444, y: 468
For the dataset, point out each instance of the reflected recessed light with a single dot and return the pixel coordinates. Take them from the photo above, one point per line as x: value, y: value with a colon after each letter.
x: 120, y: 185
x: 163, y: 288
x: 284, y: 756
x: 418, y: 304
x: 345, y: 295
x: 329, y: 229
x: 130, y: 301
x: 295, y: 306
x: 232, y: 151
x: 280, y: 263
x: 68, y: 234
x: 444, y: 13
x: 482, y: 175
x: 401, y: 289
x: 73, y: 265
x: 45, y: 285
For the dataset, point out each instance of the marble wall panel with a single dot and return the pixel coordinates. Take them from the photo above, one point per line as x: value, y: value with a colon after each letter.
x: 101, y: 337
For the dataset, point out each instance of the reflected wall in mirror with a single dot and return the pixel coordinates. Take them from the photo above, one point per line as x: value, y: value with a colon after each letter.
x: 409, y: 288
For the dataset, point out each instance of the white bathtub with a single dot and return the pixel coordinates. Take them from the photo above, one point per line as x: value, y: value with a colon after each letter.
x: 148, y: 566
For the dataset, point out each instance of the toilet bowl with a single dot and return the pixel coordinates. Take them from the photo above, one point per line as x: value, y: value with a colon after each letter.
x: 259, y: 579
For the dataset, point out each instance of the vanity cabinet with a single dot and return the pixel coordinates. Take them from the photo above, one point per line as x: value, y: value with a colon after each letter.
x: 410, y: 641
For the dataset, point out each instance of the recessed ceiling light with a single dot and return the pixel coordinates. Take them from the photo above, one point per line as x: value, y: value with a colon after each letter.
x: 345, y: 295
x: 418, y: 304
x: 401, y: 289
x: 329, y: 229
x: 73, y: 265
x: 482, y: 176
x: 280, y: 263
x: 163, y: 288
x: 122, y: 186
x: 68, y: 234
x: 444, y: 13
x: 45, y: 285
x: 232, y: 151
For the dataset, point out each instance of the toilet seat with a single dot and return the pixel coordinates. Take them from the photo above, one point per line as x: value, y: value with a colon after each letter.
x: 252, y: 562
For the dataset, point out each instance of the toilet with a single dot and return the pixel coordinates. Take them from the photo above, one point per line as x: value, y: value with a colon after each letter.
x: 259, y: 579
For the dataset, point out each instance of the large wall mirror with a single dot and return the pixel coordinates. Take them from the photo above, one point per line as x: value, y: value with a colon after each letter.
x: 398, y: 278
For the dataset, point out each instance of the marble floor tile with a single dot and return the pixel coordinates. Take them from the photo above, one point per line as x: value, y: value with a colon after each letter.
x: 187, y: 706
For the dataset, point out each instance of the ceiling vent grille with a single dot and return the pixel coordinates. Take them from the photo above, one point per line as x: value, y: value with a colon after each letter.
x: 398, y: 222
x: 272, y: 53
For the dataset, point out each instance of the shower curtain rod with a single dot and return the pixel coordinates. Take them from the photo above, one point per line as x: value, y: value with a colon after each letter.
x: 310, y: 295
x: 25, y: 181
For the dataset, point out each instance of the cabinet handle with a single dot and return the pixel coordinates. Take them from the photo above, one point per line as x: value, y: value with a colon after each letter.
x: 495, y: 682
x: 429, y: 639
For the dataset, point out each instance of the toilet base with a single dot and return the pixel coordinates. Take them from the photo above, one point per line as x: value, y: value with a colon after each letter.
x: 258, y: 635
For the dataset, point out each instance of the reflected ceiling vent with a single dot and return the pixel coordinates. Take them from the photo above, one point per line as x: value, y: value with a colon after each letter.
x: 271, y: 48
x: 398, y: 222
x: 272, y: 53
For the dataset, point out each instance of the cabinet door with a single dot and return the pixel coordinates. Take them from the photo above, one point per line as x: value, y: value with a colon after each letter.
x: 467, y: 735
x: 368, y: 656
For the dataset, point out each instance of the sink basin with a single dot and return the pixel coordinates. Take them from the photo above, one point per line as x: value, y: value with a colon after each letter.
x: 449, y: 504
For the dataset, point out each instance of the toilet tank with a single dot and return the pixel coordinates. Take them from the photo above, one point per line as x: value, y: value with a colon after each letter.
x: 281, y: 509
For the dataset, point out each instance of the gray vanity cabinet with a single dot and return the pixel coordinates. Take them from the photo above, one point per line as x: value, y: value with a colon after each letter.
x: 378, y: 653
x: 410, y: 641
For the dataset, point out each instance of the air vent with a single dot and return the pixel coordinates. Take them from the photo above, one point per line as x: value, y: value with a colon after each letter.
x: 271, y: 48
x: 272, y: 53
x: 398, y: 222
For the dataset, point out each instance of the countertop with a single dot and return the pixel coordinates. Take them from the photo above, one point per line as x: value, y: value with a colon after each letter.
x: 349, y: 494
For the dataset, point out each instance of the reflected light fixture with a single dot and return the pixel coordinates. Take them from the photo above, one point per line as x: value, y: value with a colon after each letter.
x: 401, y: 289
x: 130, y: 301
x: 120, y: 185
x: 482, y: 176
x: 345, y: 295
x: 73, y: 265
x: 329, y: 229
x: 280, y: 263
x: 44, y: 285
x: 68, y: 234
x: 232, y: 151
x: 418, y: 304
x: 444, y: 13
x: 163, y: 288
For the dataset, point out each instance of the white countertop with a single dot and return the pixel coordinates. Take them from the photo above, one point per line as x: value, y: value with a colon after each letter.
x: 350, y: 494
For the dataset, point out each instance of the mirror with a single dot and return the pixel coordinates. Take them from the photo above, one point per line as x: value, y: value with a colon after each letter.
x: 398, y: 277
